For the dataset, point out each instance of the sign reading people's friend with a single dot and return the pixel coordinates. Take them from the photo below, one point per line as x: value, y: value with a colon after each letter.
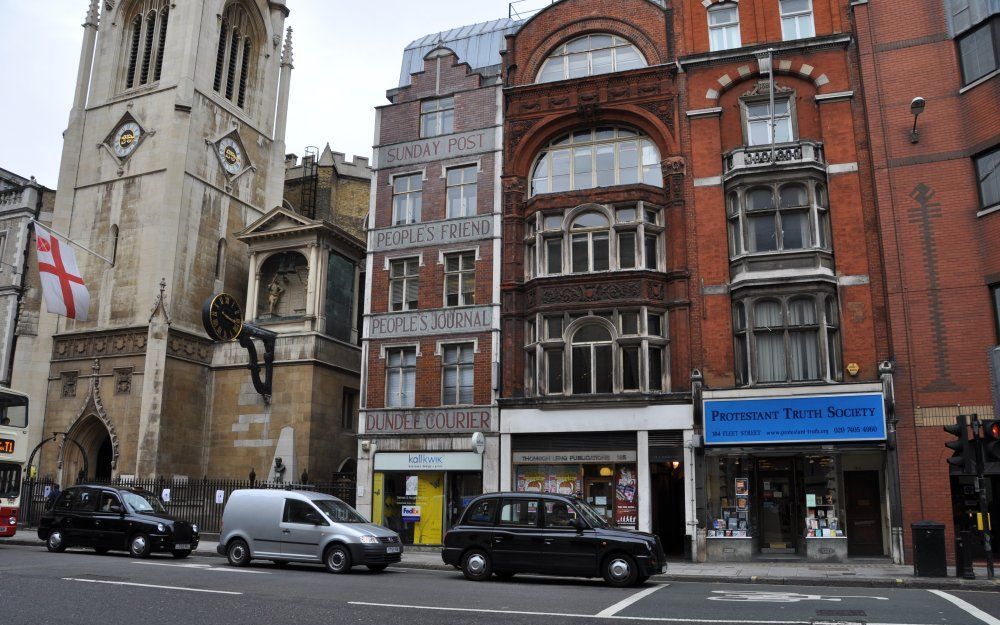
x: 806, y: 419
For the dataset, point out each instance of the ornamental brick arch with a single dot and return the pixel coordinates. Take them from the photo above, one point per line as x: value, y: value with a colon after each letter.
x: 645, y: 27
x: 796, y: 68
x: 649, y: 119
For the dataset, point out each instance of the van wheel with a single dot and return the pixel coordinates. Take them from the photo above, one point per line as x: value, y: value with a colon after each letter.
x: 477, y: 566
x: 180, y: 554
x: 620, y: 570
x: 56, y: 543
x: 238, y: 553
x: 377, y: 568
x: 338, y: 559
x: 139, y: 546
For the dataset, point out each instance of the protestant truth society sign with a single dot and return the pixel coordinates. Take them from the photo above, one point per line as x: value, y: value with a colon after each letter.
x: 811, y: 419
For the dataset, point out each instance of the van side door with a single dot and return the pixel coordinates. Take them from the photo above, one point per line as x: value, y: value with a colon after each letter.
x: 302, y: 531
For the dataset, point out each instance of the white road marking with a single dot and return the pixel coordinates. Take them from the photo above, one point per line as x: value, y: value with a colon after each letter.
x: 204, y: 567
x: 113, y: 583
x: 765, y: 596
x: 968, y: 607
x: 653, y: 619
x: 624, y: 603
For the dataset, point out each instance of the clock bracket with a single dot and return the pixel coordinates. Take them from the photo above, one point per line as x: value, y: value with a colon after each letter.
x: 248, y: 336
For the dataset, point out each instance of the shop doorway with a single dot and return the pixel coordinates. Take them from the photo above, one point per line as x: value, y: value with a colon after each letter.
x: 864, y: 513
x: 668, y: 505
x: 778, y: 511
x: 599, y: 492
x: 462, y: 488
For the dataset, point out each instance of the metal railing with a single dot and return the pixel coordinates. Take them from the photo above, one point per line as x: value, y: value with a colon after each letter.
x: 198, y: 501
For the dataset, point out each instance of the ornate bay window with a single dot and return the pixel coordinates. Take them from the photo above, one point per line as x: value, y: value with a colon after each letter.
x: 778, y: 217
x: 594, y: 237
x: 787, y: 338
x: 596, y: 157
x: 597, y: 352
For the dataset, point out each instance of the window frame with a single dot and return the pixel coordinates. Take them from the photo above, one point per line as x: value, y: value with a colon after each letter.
x: 401, y: 370
x: 459, y: 366
x: 143, y: 45
x: 568, y: 144
x: 349, y: 404
x: 563, y: 53
x: 412, y: 198
x: 464, y: 274
x: 439, y: 113
x: 738, y: 216
x: 745, y: 118
x: 463, y: 186
x: 406, y: 279
x: 993, y: 152
x: 992, y: 23
x: 796, y: 15
x: 724, y: 27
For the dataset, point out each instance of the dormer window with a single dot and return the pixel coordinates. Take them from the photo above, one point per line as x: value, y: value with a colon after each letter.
x: 591, y: 55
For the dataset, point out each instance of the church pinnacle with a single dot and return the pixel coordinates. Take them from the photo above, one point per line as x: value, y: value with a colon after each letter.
x: 286, y: 51
x: 92, y: 14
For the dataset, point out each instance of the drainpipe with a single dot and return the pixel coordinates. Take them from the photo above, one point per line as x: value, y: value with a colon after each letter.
x: 886, y: 370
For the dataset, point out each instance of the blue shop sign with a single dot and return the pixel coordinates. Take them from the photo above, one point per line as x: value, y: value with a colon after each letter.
x: 806, y: 419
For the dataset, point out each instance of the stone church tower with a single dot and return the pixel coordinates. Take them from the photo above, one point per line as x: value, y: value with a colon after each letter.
x: 175, y: 143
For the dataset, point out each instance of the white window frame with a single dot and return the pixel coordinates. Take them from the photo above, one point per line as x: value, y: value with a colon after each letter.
x: 464, y: 187
x: 409, y: 195
x: 788, y: 118
x: 565, y: 143
x: 729, y: 32
x: 465, y: 275
x: 406, y: 279
x: 792, y: 22
x: 561, y: 56
x: 400, y: 402
x: 459, y: 367
x: 434, y: 110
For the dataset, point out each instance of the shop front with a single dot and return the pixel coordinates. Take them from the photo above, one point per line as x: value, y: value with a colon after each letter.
x: 800, y: 475
x: 420, y: 494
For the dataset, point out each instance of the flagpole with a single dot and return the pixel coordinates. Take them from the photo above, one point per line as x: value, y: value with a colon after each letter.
x: 72, y: 242
x: 770, y: 82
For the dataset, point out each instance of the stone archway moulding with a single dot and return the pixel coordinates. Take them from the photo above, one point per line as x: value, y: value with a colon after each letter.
x: 93, y: 405
x: 788, y: 67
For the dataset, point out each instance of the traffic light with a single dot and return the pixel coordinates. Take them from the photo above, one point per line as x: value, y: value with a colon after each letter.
x: 962, y: 462
x: 991, y: 441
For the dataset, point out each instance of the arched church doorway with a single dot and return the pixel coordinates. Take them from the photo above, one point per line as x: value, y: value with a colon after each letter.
x: 95, y: 439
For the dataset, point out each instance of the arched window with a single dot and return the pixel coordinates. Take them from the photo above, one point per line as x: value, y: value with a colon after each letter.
x: 145, y: 42
x: 590, y: 242
x: 235, y: 59
x: 590, y: 55
x: 593, y: 361
x: 114, y: 244
x: 596, y: 157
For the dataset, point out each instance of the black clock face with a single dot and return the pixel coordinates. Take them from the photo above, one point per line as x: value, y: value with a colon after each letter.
x: 223, y: 318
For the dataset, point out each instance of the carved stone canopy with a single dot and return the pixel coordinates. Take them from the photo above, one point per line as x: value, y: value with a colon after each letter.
x: 93, y: 405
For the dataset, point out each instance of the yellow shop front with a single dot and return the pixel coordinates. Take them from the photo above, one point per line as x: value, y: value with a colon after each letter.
x: 420, y: 494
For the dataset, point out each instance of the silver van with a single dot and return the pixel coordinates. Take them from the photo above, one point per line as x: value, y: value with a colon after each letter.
x: 302, y: 526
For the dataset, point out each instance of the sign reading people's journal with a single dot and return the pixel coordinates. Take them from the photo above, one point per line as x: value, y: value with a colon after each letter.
x: 808, y: 419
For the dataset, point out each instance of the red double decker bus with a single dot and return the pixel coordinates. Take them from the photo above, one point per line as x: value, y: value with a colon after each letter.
x: 13, y: 456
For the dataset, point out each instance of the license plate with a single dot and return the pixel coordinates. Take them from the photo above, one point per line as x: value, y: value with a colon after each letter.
x: 392, y: 549
x: 182, y: 546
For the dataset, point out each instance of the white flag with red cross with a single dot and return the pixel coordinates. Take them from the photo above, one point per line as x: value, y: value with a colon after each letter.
x: 62, y: 285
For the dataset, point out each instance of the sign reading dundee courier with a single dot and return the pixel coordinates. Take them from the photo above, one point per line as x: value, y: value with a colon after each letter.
x: 427, y: 420
x: 432, y: 322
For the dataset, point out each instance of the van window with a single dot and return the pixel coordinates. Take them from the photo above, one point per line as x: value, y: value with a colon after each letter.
x: 481, y: 513
x: 298, y: 511
x: 519, y: 512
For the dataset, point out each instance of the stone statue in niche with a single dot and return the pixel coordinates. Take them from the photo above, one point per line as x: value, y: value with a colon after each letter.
x: 274, y: 293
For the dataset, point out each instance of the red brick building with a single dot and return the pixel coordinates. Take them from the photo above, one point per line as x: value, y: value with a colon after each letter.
x: 431, y: 330
x: 937, y: 193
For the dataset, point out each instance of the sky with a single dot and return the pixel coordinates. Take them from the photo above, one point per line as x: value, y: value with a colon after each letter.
x: 347, y: 54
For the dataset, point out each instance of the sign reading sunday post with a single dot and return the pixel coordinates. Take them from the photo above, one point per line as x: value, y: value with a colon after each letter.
x: 806, y: 419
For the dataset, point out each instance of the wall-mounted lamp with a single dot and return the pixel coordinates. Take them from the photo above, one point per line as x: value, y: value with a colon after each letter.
x: 916, y: 108
x: 675, y: 464
x: 606, y: 472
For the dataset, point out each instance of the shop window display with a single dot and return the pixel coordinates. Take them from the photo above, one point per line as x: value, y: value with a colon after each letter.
x: 823, y: 512
x: 611, y: 489
x: 730, y: 490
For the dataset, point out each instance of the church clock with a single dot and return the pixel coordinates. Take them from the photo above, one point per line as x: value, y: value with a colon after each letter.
x: 231, y: 156
x: 222, y: 317
x: 126, y: 139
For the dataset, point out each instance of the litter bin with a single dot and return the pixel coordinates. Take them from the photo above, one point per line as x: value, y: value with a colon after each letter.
x: 928, y: 550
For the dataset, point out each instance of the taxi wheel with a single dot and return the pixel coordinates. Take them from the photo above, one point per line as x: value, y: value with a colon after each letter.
x: 139, y: 546
x: 180, y: 554
x: 477, y: 566
x: 337, y: 559
x: 238, y: 553
x: 56, y: 543
x: 620, y: 570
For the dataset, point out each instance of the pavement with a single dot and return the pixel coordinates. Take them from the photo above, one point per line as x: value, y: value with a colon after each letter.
x: 874, y: 573
x: 79, y: 587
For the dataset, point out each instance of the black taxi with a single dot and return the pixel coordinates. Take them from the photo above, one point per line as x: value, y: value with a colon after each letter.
x: 108, y: 518
x: 507, y: 533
